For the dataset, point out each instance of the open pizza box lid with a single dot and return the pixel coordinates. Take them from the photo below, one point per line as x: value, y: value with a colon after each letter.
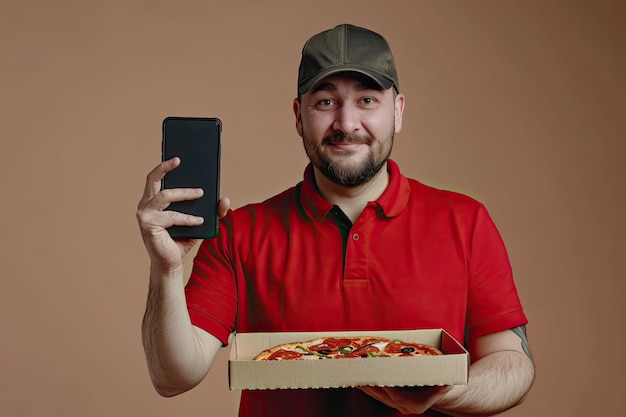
x: 246, y: 373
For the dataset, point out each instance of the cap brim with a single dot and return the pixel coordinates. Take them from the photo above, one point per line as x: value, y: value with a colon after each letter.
x: 382, y: 81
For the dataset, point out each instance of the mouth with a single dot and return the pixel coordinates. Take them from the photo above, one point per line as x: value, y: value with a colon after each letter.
x: 347, y: 141
x: 347, y: 148
x: 347, y: 145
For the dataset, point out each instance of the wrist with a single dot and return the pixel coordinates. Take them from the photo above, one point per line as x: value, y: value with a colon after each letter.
x: 161, y: 273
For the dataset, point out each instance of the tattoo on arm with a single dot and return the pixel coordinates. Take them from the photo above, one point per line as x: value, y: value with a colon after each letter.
x: 520, y: 331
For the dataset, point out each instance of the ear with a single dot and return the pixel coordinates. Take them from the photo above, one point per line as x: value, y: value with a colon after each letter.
x: 297, y: 106
x: 398, y: 110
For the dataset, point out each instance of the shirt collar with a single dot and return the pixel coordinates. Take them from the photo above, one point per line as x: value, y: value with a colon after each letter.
x: 393, y: 200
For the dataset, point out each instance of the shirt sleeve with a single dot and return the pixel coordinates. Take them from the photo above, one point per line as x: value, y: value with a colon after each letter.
x: 493, y: 301
x: 211, y: 292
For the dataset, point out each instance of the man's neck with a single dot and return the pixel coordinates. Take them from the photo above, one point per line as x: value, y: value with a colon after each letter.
x: 352, y: 200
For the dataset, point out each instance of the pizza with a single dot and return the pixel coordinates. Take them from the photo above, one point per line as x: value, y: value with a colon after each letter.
x: 346, y: 347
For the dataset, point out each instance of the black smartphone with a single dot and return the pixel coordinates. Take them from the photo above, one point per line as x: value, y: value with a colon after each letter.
x: 197, y: 142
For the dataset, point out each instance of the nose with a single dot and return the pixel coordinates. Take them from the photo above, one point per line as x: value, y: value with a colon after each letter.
x: 347, y: 119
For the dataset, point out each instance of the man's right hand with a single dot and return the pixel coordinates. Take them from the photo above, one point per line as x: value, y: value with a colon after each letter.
x: 166, y: 253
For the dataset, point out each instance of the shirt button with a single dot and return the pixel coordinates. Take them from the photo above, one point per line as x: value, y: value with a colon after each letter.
x: 355, y: 236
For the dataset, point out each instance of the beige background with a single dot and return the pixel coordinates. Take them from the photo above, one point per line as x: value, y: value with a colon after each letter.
x: 517, y: 103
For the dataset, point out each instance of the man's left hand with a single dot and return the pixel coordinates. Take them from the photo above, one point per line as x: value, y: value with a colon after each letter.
x: 407, y: 401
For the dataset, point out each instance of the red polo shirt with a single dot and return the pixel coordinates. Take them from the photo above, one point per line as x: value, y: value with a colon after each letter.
x: 417, y: 257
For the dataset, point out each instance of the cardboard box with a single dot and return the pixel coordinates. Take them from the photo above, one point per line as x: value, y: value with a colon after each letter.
x: 246, y: 373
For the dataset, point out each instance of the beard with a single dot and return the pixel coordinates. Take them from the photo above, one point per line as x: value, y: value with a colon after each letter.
x: 349, y: 174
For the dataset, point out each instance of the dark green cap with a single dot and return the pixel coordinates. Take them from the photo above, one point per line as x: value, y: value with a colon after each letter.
x: 347, y: 48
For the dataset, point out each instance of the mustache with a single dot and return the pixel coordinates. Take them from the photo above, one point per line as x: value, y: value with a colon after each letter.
x: 351, y: 138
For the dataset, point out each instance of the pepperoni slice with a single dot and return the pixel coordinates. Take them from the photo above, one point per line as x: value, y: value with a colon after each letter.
x: 396, y: 347
x: 283, y: 354
x: 329, y: 345
x: 409, y: 349
x: 335, y: 342
x: 361, y: 352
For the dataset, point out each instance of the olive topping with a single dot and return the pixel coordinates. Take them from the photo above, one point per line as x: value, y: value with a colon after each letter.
x: 325, y: 351
x: 407, y: 349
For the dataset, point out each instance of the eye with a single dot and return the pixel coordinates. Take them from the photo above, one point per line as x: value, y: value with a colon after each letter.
x: 368, y: 101
x: 325, y: 102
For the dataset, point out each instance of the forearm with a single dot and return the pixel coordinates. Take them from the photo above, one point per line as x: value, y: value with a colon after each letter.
x: 176, y: 358
x: 496, y: 383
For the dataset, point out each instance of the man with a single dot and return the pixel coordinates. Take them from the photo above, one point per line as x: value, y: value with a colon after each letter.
x: 354, y: 246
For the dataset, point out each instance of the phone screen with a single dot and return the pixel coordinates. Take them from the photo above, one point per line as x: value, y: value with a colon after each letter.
x: 196, y: 141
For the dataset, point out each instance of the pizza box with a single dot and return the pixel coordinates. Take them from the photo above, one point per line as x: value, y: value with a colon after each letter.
x: 246, y: 373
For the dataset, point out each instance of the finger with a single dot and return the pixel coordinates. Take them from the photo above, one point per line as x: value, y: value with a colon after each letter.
x: 164, y: 198
x: 176, y: 218
x: 379, y: 394
x: 412, y: 402
x: 376, y: 392
x: 154, y: 222
x: 153, y: 182
x: 421, y: 392
x: 151, y: 213
x: 223, y: 206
